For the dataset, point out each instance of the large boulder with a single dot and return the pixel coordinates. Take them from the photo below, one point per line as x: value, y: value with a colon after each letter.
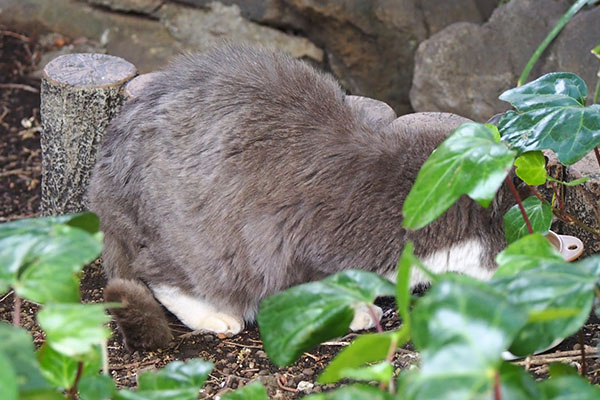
x: 465, y: 67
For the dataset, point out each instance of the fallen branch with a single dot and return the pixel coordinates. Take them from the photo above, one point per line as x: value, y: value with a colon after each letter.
x: 20, y: 86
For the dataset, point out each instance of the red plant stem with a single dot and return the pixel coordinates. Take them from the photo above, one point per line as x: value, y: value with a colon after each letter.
x: 583, y: 360
x: 513, y: 189
x: 17, y: 311
x: 536, y: 193
x: 497, y: 393
x: 375, y: 318
x: 597, y: 153
x: 72, y: 392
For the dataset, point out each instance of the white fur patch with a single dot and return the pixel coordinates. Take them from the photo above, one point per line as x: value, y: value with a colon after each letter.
x: 363, y: 318
x: 464, y: 257
x: 196, y: 313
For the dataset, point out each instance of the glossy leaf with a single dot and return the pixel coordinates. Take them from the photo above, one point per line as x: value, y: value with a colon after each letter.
x: 528, y: 252
x: 73, y: 329
x: 531, y: 168
x: 8, y: 379
x: 40, y: 257
x: 558, y: 369
x: 468, y: 162
x: 96, y: 387
x: 552, y: 116
x: 549, y: 286
x: 177, y: 381
x: 515, y: 384
x: 16, y: 346
x: 294, y: 321
x: 253, y: 391
x: 569, y: 387
x: 404, y: 268
x: 364, y: 349
x: 61, y: 370
x: 380, y: 372
x: 596, y: 51
x: 540, y: 216
x: 352, y: 392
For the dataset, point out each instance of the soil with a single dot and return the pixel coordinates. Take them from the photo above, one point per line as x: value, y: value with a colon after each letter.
x: 238, y: 360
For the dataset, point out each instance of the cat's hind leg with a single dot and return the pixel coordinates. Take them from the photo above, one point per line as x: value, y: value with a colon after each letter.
x: 197, y: 313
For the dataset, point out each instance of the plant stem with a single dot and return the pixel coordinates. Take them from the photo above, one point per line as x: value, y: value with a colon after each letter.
x: 513, y: 189
x: 375, y: 318
x: 597, y: 153
x: 583, y: 360
x: 72, y: 392
x: 553, y: 33
x: 17, y: 310
x: 497, y: 393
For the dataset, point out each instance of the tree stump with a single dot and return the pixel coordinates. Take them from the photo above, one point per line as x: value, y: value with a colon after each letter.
x: 80, y: 94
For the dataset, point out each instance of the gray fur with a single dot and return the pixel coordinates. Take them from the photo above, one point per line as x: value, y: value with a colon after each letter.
x: 239, y: 173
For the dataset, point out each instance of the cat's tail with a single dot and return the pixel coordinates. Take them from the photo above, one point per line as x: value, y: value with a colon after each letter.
x: 141, y: 319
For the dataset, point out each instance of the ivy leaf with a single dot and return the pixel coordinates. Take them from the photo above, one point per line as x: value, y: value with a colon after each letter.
x: 468, y: 162
x: 16, y: 352
x: 558, y: 286
x: 352, y: 392
x: 569, y: 387
x: 531, y: 168
x: 177, y: 381
x: 380, y: 372
x: 253, y: 391
x: 61, y: 370
x: 528, y: 252
x: 294, y: 321
x: 540, y: 216
x: 41, y: 257
x: 8, y: 379
x: 364, y: 349
x: 96, y: 387
x: 552, y: 116
x: 74, y: 329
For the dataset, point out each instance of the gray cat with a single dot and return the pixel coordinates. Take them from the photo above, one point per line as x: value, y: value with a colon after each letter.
x: 239, y: 173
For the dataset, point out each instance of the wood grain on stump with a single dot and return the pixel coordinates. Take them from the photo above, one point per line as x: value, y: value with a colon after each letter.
x: 80, y: 94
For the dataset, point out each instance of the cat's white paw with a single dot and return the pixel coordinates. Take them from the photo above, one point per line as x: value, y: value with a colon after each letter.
x: 363, y: 319
x: 196, y: 313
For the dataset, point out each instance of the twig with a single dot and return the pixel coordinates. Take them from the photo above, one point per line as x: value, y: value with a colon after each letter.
x: 561, y: 356
x: 15, y: 35
x: 17, y: 311
x: 281, y: 384
x: 583, y: 360
x: 250, y: 346
x: 20, y: 86
x: 6, y: 296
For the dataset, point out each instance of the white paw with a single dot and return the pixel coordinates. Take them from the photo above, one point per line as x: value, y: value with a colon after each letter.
x: 219, y: 323
x: 363, y: 319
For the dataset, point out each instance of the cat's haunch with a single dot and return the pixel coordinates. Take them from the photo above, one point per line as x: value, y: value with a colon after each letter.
x: 241, y: 172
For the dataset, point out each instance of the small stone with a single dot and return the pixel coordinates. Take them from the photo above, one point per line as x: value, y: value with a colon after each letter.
x: 226, y: 371
x: 305, y: 386
x: 261, y: 354
x: 263, y: 372
x: 308, y: 371
x: 576, y: 346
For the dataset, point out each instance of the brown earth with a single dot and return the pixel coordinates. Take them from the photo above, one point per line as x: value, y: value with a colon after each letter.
x: 238, y: 360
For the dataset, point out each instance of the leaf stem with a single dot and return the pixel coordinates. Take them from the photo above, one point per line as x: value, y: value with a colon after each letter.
x: 553, y: 33
x: 17, y: 310
x: 583, y: 360
x: 597, y: 153
x: 497, y: 392
x: 72, y: 392
x: 375, y: 318
x: 513, y: 189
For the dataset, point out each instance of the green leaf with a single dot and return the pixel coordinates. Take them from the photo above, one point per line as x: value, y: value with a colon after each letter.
x: 253, y: 391
x: 380, y: 372
x: 364, y: 349
x: 96, y: 387
x: 515, y: 383
x: 531, y: 168
x: 61, y: 370
x: 294, y: 321
x: 468, y: 162
x: 540, y: 216
x: 462, y: 326
x: 41, y: 257
x: 8, y: 379
x: 549, y: 286
x: 558, y: 369
x: 495, y: 131
x: 571, y: 183
x: 552, y: 116
x: 596, y: 51
x: 405, y: 264
x: 177, y: 381
x: 569, y: 388
x: 352, y: 392
x: 527, y: 252
x: 16, y: 347
x: 73, y: 329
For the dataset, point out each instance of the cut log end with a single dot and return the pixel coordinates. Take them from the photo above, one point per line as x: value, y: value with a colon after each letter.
x: 89, y: 70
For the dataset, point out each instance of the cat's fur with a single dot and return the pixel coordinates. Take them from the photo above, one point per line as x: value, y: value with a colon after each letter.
x: 239, y: 173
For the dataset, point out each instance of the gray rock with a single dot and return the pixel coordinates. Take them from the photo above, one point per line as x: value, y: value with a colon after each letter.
x: 465, y: 67
x: 139, y: 6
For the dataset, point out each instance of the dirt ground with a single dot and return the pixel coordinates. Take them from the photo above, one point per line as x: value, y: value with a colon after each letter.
x: 238, y: 360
